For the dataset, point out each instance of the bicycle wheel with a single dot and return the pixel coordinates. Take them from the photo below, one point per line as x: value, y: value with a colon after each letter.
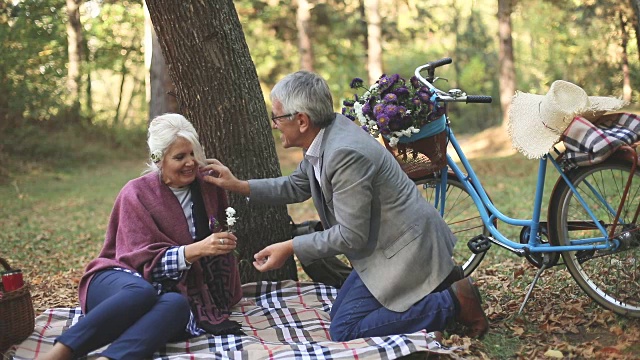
x: 461, y: 214
x: 608, y: 277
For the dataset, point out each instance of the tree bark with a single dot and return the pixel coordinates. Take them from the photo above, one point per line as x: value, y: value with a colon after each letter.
x: 374, y: 39
x: 305, y: 48
x: 74, y: 48
x: 160, y: 89
x: 217, y: 89
x: 626, y: 77
x: 506, y: 58
x: 635, y: 4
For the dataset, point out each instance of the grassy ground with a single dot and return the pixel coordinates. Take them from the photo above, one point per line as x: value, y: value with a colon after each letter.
x: 53, y: 222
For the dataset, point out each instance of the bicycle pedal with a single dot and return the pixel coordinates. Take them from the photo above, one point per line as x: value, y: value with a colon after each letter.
x: 479, y: 244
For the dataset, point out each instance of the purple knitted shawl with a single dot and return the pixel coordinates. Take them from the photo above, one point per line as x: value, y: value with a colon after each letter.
x: 145, y: 221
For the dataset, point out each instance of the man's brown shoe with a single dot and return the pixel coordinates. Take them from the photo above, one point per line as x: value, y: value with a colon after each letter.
x: 471, y: 314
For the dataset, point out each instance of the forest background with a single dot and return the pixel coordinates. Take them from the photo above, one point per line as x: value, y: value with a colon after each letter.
x: 79, y: 80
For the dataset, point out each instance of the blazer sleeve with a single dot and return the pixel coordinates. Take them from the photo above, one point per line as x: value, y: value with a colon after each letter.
x: 290, y: 189
x: 350, y: 174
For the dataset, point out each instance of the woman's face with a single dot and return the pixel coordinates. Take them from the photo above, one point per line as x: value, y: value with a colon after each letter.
x: 179, y: 165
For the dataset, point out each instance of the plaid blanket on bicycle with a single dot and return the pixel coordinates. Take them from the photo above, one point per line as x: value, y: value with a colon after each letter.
x: 282, y: 320
x: 590, y: 143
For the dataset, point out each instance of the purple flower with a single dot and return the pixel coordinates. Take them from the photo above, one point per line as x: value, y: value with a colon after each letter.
x: 395, y: 105
x: 415, y: 82
x: 401, y: 92
x: 356, y: 83
x: 383, y: 121
x: 391, y: 111
x: 393, y: 79
x: 424, y: 97
x: 366, y: 108
x: 390, y: 98
x: 384, y: 83
x: 378, y: 109
x: 214, y: 225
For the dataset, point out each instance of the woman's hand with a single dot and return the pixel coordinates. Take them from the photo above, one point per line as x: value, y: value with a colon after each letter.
x: 218, y: 174
x: 215, y: 244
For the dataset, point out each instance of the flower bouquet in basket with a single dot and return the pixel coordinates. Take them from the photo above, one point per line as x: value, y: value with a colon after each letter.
x: 406, y: 117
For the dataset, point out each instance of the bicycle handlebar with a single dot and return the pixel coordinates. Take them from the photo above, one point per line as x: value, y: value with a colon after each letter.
x: 453, y: 95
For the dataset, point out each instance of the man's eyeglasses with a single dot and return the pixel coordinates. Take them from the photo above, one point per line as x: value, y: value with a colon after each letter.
x: 274, y: 118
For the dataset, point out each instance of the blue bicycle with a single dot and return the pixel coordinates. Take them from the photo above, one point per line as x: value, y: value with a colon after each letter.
x: 592, y: 221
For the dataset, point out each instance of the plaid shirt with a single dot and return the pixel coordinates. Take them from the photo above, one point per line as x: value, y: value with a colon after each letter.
x: 168, y: 269
x: 588, y: 143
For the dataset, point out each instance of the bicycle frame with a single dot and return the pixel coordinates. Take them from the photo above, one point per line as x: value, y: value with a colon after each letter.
x: 490, y: 213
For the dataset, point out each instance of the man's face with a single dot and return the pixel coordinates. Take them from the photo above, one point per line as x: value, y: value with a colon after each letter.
x: 287, y: 124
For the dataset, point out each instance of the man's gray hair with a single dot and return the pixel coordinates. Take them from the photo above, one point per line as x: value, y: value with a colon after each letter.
x: 164, y: 130
x: 308, y: 93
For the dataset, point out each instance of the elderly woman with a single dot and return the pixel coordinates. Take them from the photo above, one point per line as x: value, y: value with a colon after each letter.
x: 166, y: 270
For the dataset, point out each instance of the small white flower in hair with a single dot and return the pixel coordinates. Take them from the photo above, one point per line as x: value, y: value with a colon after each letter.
x: 156, y: 156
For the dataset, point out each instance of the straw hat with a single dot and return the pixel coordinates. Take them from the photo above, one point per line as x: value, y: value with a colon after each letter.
x: 536, y: 122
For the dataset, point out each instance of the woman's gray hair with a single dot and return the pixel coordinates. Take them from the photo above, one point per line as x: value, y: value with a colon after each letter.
x: 308, y: 93
x: 164, y: 130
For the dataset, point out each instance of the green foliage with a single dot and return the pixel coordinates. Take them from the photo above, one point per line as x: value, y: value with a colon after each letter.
x: 37, y: 146
x: 32, y: 65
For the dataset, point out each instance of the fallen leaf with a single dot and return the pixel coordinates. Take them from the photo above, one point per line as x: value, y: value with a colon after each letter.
x: 554, y: 354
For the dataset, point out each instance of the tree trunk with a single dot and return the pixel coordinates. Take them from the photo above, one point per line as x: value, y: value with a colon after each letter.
x: 217, y: 89
x: 303, y: 17
x: 160, y: 90
x: 89, y: 98
x: 635, y: 4
x: 374, y: 39
x: 505, y: 57
x: 626, y: 77
x: 74, y: 48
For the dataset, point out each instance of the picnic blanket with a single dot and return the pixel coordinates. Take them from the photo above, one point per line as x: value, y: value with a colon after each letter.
x: 589, y: 143
x: 281, y: 320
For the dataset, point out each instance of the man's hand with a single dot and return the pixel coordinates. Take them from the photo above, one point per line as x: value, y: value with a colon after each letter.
x: 218, y: 174
x: 273, y: 256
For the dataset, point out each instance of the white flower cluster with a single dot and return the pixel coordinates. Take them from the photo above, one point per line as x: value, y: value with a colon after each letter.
x: 395, y: 136
x: 231, y: 218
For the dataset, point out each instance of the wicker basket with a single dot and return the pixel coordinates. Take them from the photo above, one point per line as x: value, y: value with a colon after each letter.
x: 421, y: 157
x: 17, y: 319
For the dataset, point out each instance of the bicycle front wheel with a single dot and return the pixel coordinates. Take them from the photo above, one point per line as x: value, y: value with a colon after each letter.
x: 610, y: 277
x: 460, y: 213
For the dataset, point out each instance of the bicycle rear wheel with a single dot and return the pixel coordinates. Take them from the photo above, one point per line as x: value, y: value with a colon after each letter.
x: 460, y: 213
x: 611, y: 278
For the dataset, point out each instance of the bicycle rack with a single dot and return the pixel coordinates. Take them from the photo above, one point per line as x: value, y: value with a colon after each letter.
x: 628, y: 153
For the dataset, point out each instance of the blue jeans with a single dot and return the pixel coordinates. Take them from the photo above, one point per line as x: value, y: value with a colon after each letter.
x: 357, y: 314
x: 125, y: 311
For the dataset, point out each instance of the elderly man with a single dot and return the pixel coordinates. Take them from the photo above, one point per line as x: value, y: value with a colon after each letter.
x: 398, y: 244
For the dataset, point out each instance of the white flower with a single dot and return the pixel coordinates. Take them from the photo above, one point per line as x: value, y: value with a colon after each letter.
x: 393, y: 141
x: 156, y: 156
x: 361, y: 118
x: 231, y: 217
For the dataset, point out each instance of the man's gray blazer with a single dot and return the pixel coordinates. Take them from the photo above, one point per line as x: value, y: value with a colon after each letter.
x: 372, y: 212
